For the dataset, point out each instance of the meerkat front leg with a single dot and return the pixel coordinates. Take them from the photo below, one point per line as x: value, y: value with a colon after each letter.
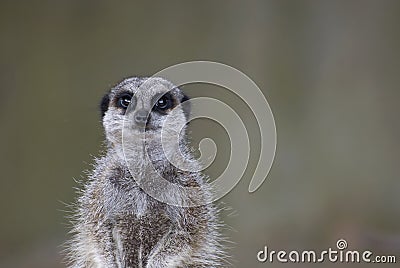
x: 173, y: 250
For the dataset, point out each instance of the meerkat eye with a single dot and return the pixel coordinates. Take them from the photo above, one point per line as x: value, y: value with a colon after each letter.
x: 124, y: 101
x: 164, y: 103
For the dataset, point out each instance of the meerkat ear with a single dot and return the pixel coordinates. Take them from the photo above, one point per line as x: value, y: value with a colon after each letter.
x: 104, y: 104
x: 186, y: 106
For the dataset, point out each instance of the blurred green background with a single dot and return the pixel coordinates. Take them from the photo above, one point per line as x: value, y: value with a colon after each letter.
x: 331, y: 73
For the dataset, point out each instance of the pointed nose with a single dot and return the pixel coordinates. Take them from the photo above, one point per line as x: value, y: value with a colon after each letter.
x: 141, y: 117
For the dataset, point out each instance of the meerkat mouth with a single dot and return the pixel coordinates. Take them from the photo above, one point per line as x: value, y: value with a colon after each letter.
x: 142, y: 133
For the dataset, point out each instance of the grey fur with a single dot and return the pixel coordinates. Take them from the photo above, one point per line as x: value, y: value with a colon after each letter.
x: 116, y: 224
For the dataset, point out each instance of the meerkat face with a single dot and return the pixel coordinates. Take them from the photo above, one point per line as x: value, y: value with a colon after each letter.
x: 142, y: 104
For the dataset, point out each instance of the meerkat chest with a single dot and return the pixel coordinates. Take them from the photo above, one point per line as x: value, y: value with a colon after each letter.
x: 135, y: 236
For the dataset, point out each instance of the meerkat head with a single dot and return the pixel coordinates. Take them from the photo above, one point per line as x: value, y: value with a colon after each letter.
x: 141, y: 104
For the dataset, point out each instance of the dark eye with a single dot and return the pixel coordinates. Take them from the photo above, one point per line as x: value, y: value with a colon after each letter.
x: 164, y: 103
x: 124, y: 101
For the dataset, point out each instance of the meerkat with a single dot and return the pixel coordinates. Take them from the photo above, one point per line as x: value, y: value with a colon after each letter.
x: 116, y: 222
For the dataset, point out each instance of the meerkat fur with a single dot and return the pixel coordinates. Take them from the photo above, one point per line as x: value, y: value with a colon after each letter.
x: 115, y: 222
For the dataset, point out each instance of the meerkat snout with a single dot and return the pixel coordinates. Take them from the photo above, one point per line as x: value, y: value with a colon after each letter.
x: 142, y: 117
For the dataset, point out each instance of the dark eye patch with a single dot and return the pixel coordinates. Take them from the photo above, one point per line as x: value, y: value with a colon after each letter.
x: 124, y: 99
x: 163, y: 103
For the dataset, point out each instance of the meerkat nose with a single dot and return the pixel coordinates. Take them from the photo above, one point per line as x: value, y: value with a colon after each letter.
x: 141, y: 117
